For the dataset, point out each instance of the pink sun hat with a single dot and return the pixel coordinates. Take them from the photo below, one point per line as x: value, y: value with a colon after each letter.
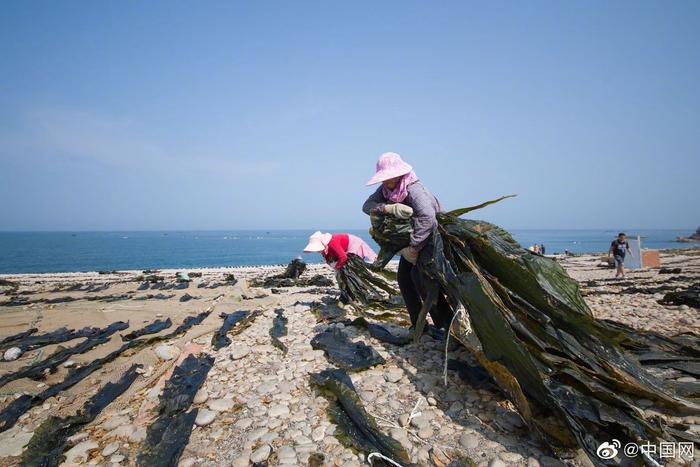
x: 390, y: 165
x: 317, y: 242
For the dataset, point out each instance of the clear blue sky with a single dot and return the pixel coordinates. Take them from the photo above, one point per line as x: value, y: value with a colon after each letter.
x: 235, y: 115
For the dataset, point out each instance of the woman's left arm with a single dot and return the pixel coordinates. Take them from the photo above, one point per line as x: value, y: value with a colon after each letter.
x: 337, y: 250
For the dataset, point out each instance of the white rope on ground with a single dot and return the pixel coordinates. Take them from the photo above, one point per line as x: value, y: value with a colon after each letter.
x: 380, y: 456
x: 385, y: 420
x: 447, y: 339
x: 413, y: 413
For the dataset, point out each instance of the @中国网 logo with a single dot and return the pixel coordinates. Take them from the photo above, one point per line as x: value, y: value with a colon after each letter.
x: 608, y: 449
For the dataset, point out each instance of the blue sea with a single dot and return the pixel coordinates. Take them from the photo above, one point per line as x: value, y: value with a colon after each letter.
x: 23, y: 252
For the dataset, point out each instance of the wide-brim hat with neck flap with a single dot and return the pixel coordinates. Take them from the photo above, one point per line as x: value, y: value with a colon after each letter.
x: 389, y: 165
x: 317, y: 242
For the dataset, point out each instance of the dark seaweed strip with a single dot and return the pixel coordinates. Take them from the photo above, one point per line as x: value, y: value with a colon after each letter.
x: 690, y: 296
x: 234, y: 323
x: 343, y: 352
x: 11, y: 413
x: 187, y: 323
x: 279, y: 329
x: 54, y: 337
x: 168, y: 434
x: 10, y: 340
x: 220, y: 338
x: 152, y: 328
x: 35, y: 341
x: 358, y: 427
x: 36, y: 371
x: 46, y: 447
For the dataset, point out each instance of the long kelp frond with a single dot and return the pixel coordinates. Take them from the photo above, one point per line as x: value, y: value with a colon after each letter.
x: 459, y: 212
x: 358, y: 428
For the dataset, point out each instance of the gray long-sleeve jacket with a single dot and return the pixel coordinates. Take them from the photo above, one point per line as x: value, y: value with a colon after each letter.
x: 424, y: 205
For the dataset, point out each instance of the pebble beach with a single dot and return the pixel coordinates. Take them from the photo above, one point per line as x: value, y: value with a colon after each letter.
x: 257, y: 405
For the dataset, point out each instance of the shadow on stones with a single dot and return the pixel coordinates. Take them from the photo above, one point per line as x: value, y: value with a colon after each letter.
x: 168, y: 435
x: 341, y: 351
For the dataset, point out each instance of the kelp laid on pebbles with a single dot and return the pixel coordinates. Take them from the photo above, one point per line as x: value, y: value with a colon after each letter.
x: 291, y: 277
x: 10, y: 341
x: 36, y: 370
x: 30, y: 340
x: 15, y: 409
x: 156, y: 326
x: 357, y: 427
x: 167, y: 436
x: 238, y: 320
x: 279, y: 329
x: 185, y: 326
x: 346, y: 354
x: 46, y: 447
x: 690, y: 296
x: 574, y: 379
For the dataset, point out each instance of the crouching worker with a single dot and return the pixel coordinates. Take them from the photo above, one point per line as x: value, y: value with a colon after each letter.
x: 335, y: 248
x: 402, y: 195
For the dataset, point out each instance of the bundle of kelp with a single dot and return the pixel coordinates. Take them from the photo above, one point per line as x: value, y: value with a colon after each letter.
x: 291, y: 277
x: 359, y: 285
x: 574, y: 379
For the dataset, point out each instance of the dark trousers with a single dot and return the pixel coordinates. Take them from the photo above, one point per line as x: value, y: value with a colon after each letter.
x: 407, y: 278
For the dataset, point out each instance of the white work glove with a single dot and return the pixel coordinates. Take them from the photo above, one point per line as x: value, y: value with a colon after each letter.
x: 410, y: 254
x: 398, y: 210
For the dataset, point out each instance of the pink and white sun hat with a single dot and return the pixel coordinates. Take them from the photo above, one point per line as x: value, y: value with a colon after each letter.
x: 317, y: 242
x: 390, y: 165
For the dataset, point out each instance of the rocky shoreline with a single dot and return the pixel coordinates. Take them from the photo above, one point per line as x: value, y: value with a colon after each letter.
x: 257, y: 404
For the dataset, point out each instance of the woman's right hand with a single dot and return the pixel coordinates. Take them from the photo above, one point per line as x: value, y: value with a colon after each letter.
x: 399, y: 210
